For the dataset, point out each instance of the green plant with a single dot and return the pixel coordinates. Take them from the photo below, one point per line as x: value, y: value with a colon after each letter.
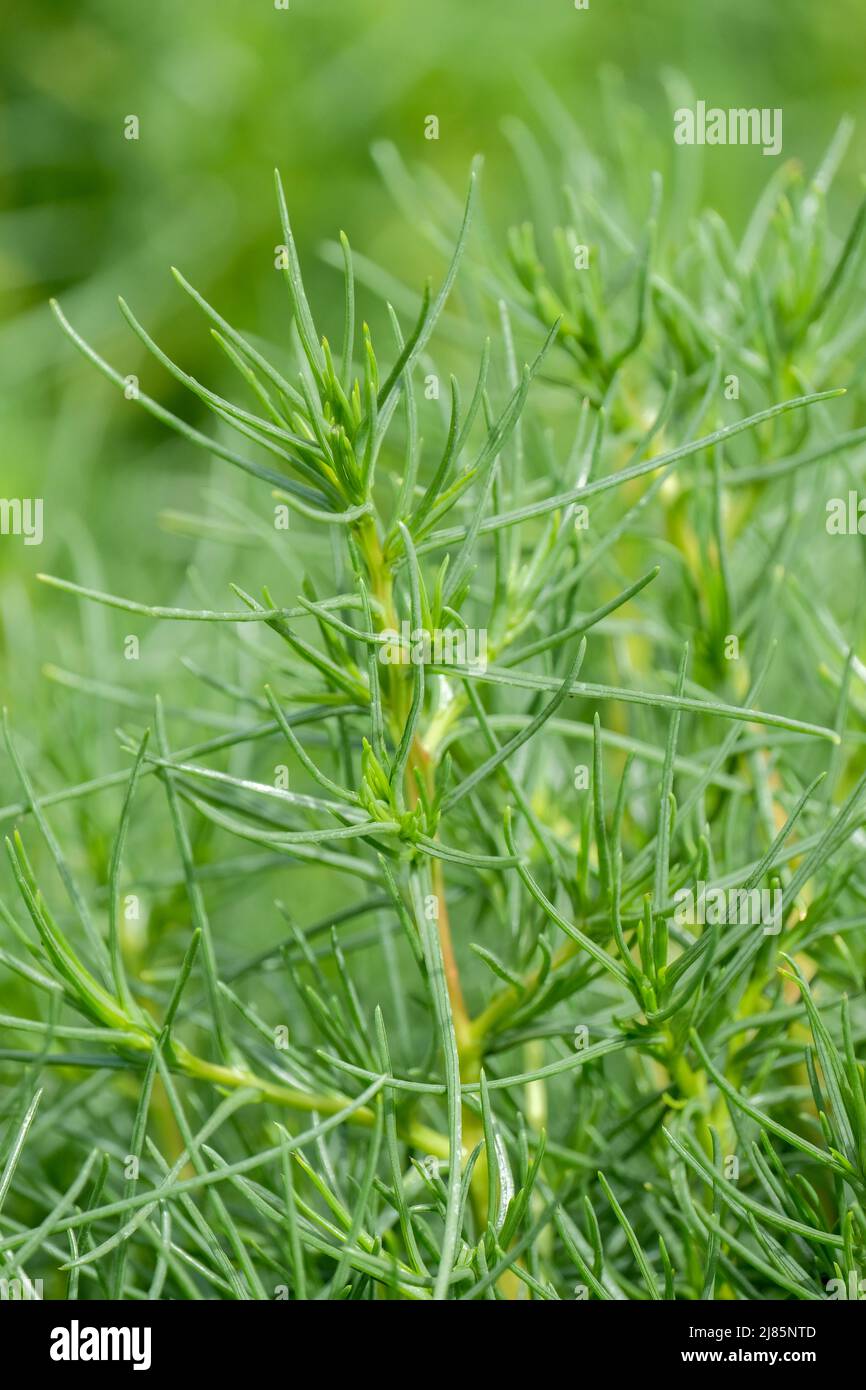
x: 528, y: 1077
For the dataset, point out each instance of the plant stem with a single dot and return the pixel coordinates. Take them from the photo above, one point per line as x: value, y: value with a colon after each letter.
x: 420, y: 1136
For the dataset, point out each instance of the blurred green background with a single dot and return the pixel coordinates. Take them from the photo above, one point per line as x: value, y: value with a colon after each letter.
x: 223, y: 91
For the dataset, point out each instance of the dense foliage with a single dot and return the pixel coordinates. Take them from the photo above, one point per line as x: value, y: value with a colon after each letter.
x: 501, y: 1064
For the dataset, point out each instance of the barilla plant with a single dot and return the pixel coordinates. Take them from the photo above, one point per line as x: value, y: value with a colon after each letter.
x: 502, y: 1066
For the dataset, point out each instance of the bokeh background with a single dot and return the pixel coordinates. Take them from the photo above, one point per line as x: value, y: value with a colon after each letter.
x: 223, y: 91
x: 226, y: 89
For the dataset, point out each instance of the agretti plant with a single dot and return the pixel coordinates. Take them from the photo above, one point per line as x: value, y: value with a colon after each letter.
x: 522, y: 1076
